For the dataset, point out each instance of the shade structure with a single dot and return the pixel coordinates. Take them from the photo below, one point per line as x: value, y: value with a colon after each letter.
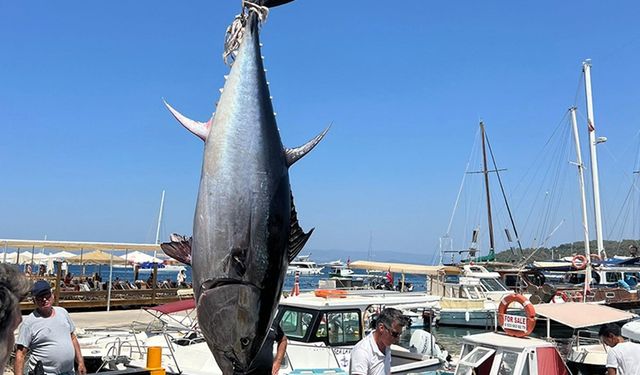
x: 61, y: 255
x: 140, y: 257
x: 414, y: 269
x: 95, y: 257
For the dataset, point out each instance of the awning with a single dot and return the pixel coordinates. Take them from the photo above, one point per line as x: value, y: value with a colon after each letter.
x: 413, y: 269
x: 75, y: 245
x: 174, y: 307
x: 581, y: 315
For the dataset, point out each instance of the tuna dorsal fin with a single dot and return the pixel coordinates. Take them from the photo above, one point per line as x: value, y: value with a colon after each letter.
x: 297, y: 238
x: 179, y: 248
x: 275, y: 3
x: 295, y: 154
x: 201, y: 129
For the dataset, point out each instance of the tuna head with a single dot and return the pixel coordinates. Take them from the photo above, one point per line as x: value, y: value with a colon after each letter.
x: 231, y: 326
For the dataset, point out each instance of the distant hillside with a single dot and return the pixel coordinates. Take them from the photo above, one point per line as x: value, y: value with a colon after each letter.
x: 565, y: 250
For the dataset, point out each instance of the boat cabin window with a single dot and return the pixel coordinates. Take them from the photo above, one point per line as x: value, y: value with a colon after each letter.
x: 295, y: 324
x: 508, y: 363
x: 452, y: 279
x: 493, y: 285
x: 471, y: 292
x: 613, y: 277
x: 339, y: 328
x: 479, y: 358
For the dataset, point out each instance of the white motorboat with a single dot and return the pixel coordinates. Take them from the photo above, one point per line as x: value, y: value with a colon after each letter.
x: 338, y: 319
x: 341, y: 271
x: 304, y: 266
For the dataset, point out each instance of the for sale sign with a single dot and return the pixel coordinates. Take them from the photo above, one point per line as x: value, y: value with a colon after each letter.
x: 515, y: 322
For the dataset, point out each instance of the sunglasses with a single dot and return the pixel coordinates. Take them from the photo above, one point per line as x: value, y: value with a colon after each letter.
x: 43, y: 297
x: 394, y: 334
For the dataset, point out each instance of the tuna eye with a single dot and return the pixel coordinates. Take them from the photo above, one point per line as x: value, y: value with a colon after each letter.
x: 244, y: 341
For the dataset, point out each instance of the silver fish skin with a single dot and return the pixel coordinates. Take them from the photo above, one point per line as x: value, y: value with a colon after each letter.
x: 245, y: 227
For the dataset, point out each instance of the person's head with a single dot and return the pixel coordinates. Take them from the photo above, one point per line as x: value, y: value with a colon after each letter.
x: 42, y: 297
x: 389, y: 326
x: 13, y: 288
x: 610, y: 334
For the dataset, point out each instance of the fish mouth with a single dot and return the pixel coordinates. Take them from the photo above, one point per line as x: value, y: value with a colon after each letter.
x: 229, y: 317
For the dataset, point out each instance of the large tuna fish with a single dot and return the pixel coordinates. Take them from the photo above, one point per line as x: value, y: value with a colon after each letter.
x: 245, y: 229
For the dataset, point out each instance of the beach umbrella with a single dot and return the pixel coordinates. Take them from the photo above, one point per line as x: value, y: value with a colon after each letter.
x: 61, y: 255
x: 96, y: 257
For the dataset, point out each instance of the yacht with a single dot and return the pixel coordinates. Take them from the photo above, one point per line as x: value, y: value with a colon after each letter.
x: 304, y: 265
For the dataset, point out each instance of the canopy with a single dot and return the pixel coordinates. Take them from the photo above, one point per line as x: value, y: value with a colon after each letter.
x: 61, y: 255
x: 139, y: 257
x: 414, y: 269
x: 581, y: 315
x: 96, y: 257
x: 74, y: 245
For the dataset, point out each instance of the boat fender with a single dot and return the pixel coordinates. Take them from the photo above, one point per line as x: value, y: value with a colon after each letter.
x: 579, y: 262
x: 560, y: 294
x: 529, y: 311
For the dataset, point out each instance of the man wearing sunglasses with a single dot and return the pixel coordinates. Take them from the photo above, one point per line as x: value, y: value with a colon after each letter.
x: 372, y: 355
x: 47, y: 333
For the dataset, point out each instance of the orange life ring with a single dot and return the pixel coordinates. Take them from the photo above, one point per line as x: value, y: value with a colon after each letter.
x: 560, y: 294
x: 579, y: 262
x: 330, y: 293
x: 529, y: 311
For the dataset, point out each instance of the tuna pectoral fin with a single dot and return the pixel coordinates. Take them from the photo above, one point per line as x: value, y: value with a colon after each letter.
x: 201, y: 129
x: 297, y: 237
x: 179, y: 248
x: 295, y: 154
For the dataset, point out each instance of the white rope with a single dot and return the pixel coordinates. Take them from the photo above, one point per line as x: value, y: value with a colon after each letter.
x: 235, y: 31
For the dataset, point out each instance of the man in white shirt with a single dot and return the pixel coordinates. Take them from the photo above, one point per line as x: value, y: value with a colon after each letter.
x: 372, y: 355
x: 622, y: 358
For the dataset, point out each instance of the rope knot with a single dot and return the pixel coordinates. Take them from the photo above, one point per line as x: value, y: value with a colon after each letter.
x: 235, y: 32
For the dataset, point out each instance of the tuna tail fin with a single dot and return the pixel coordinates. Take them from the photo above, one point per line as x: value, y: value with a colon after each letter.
x: 179, y: 248
x: 295, y: 154
x: 275, y: 3
x: 201, y: 129
x: 297, y: 237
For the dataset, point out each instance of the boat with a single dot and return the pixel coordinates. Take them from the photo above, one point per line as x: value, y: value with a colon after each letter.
x: 513, y: 351
x: 338, y: 319
x: 304, y: 266
x: 341, y: 271
x: 162, y: 268
x: 469, y: 296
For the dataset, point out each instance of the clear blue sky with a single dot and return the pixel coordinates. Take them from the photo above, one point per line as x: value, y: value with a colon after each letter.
x: 87, y: 146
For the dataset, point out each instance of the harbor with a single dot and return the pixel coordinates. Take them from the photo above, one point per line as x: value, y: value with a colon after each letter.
x: 346, y: 188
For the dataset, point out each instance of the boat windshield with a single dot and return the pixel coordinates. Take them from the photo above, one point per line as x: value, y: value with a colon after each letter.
x: 296, y: 324
x: 339, y: 328
x: 473, y: 360
x: 508, y: 363
x: 493, y: 285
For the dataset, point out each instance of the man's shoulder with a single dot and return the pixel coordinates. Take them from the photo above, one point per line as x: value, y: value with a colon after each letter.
x: 363, y: 344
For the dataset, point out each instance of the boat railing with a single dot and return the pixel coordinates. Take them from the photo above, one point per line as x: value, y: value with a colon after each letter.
x: 584, y: 337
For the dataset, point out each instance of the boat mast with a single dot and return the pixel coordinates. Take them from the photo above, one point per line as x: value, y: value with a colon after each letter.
x: 159, y: 222
x: 485, y: 171
x: 585, y: 225
x: 593, y: 141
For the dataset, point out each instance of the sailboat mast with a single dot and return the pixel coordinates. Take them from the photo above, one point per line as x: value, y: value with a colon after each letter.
x: 485, y: 171
x: 593, y: 141
x: 159, y: 222
x: 585, y: 225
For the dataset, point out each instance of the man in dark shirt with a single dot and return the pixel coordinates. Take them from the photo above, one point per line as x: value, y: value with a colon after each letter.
x: 265, y: 363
